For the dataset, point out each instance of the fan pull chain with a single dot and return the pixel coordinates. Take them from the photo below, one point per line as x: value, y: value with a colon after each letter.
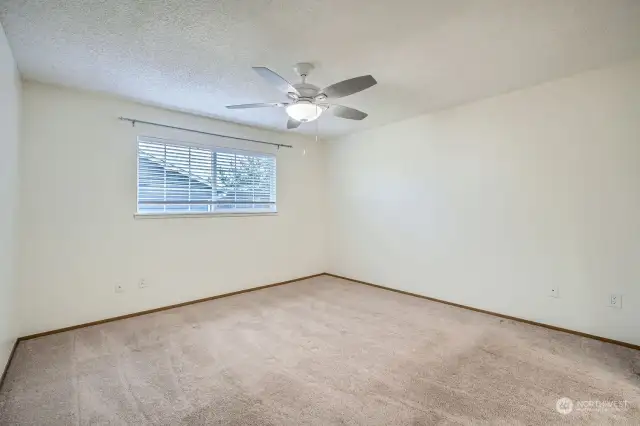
x: 316, y: 125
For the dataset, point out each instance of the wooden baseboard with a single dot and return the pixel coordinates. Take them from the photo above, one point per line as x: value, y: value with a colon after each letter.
x: 509, y: 317
x: 164, y: 308
x: 178, y: 305
x: 6, y: 367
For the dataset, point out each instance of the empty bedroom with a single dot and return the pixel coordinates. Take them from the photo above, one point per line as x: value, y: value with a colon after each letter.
x: 319, y: 212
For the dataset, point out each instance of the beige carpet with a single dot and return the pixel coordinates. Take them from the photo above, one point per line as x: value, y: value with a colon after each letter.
x: 323, y: 351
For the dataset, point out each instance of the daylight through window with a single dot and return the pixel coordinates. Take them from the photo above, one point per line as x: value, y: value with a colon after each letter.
x: 180, y: 178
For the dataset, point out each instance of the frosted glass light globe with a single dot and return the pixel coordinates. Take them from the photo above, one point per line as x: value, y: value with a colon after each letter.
x: 304, y: 111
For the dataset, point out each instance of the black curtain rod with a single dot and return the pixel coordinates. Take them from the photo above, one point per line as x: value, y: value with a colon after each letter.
x: 133, y: 122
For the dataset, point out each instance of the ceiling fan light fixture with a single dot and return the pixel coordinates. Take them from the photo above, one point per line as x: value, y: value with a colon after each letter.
x: 308, y: 100
x: 304, y: 111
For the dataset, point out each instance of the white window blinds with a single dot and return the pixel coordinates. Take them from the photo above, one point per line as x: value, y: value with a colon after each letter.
x: 177, y: 178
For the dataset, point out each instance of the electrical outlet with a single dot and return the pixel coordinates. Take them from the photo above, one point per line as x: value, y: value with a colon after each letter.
x: 143, y: 283
x: 554, y: 290
x: 119, y: 288
x: 615, y: 301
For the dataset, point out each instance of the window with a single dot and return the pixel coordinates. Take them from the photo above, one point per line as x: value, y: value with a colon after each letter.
x: 178, y: 178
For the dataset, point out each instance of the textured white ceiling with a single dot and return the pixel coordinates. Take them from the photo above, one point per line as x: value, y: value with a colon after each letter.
x: 426, y: 54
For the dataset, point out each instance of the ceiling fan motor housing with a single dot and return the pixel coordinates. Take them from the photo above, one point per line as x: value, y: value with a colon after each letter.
x: 306, y: 90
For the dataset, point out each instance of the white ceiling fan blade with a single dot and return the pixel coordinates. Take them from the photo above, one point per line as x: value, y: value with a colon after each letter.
x: 349, y: 113
x: 292, y: 124
x: 263, y: 105
x: 275, y: 80
x: 349, y: 87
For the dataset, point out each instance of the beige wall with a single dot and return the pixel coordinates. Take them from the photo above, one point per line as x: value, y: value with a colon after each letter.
x: 9, y: 186
x: 492, y: 203
x: 80, y: 238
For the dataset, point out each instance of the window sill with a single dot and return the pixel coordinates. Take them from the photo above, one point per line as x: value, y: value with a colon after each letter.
x: 198, y: 215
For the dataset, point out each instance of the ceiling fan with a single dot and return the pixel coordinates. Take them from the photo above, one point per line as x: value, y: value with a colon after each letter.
x: 308, y: 101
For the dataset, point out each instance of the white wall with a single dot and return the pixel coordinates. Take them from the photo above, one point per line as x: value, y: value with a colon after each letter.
x: 9, y: 185
x: 492, y: 203
x: 80, y: 236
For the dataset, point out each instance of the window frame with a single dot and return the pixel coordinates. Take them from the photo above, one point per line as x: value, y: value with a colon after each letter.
x: 213, y: 149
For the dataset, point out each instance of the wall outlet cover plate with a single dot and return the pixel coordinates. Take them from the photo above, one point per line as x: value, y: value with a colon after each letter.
x: 615, y: 300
